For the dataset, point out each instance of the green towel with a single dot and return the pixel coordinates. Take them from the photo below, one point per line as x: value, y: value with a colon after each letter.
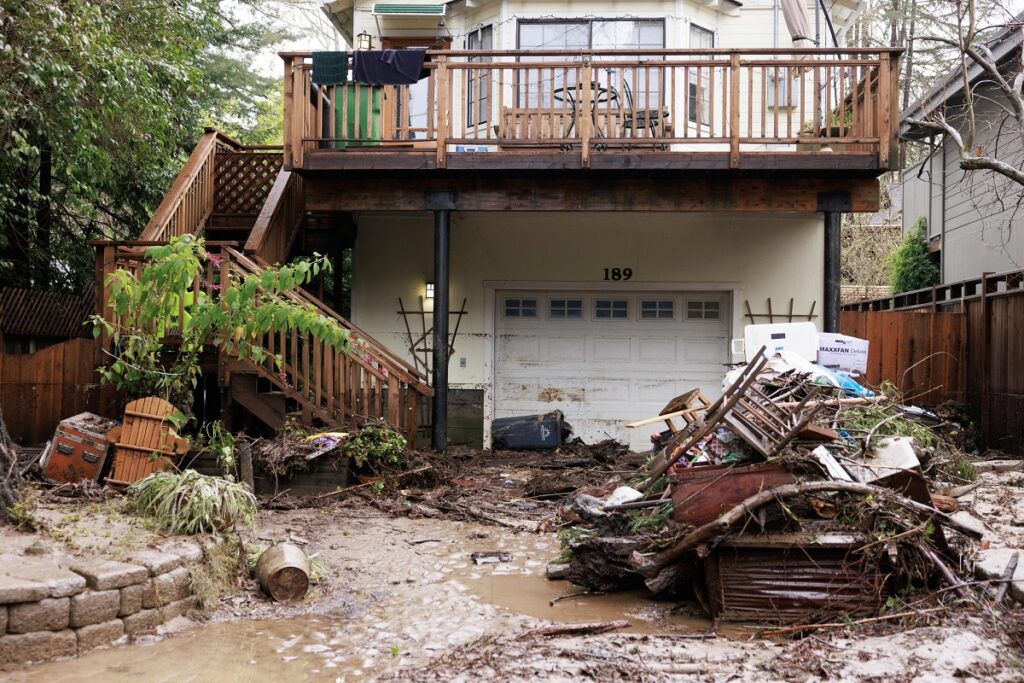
x: 330, y: 68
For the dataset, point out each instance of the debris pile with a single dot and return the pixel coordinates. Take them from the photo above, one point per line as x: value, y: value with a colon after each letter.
x: 798, y: 495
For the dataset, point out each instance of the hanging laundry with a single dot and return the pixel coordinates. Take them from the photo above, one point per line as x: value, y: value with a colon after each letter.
x: 330, y: 68
x: 389, y: 67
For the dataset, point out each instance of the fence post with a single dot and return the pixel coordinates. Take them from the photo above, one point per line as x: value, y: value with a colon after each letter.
x: 585, y: 113
x: 444, y: 97
x: 986, y: 340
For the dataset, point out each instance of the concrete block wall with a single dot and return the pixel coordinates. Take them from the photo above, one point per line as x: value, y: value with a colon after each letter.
x: 55, y: 606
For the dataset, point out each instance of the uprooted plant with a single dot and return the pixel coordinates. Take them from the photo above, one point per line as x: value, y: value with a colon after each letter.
x: 376, y: 445
x: 190, y: 503
x: 177, y: 295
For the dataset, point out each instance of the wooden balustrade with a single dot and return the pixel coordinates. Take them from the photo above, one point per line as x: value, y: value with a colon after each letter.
x: 277, y: 225
x: 367, y: 381
x: 740, y: 101
x: 222, y: 177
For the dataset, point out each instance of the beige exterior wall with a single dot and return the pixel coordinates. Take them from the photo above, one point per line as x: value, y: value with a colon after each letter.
x: 777, y: 256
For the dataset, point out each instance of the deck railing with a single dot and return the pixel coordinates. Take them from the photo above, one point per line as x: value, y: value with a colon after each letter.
x: 734, y: 101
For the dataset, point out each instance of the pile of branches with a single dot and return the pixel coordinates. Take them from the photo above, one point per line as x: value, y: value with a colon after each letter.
x: 10, y: 474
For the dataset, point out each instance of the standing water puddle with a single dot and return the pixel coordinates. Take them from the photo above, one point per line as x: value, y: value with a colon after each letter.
x: 444, y: 600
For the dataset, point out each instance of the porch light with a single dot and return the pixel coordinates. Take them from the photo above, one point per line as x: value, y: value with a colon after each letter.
x: 364, y: 41
x: 430, y: 290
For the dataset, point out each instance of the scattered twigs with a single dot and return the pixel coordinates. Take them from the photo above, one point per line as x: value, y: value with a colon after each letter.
x: 400, y: 475
x: 649, y: 566
x: 570, y: 596
x: 1007, y: 578
x: 842, y: 624
x: 946, y: 572
x: 867, y: 439
x: 575, y: 629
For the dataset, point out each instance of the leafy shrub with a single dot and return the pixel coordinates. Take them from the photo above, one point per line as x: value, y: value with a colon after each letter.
x: 376, y: 444
x: 192, y: 503
x: 910, y: 267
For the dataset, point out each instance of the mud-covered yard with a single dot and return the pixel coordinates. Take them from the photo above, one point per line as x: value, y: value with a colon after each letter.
x: 402, y: 599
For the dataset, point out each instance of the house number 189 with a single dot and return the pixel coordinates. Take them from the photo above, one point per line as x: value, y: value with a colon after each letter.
x: 618, y: 273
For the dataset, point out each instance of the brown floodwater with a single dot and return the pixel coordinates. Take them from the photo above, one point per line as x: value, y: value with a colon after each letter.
x: 418, y: 600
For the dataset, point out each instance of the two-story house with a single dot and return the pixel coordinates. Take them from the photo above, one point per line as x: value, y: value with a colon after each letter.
x: 597, y: 196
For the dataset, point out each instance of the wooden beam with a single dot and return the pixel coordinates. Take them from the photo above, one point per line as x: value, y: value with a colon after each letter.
x: 588, y: 191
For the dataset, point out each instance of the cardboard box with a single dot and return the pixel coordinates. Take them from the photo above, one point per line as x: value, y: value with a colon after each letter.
x: 840, y: 352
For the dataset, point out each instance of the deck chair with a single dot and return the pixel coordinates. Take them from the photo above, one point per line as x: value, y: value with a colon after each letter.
x: 146, y: 442
x: 635, y: 119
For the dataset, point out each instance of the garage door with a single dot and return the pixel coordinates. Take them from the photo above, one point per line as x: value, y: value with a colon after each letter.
x: 606, y: 358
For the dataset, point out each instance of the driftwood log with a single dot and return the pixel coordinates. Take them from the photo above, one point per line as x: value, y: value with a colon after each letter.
x: 575, y: 629
x: 649, y: 566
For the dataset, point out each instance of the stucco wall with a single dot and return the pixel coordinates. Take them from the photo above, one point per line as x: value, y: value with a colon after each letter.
x: 766, y: 256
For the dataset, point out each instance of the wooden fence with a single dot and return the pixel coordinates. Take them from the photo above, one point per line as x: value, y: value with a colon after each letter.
x: 969, y: 350
x: 39, y: 390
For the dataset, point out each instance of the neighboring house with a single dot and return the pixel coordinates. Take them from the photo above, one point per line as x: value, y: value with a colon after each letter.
x: 610, y: 187
x: 974, y: 218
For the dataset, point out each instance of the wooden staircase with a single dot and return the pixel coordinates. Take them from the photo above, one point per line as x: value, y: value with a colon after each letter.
x: 251, y: 213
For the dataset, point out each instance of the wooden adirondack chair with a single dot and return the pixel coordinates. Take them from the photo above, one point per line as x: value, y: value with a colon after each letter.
x: 146, y: 442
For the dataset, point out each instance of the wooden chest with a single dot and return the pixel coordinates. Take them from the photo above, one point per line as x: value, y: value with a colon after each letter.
x: 78, y: 450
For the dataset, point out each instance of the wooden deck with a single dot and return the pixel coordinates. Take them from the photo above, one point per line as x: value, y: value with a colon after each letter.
x: 800, y: 110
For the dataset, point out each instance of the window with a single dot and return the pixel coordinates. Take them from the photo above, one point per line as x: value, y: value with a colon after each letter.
x: 702, y: 310
x: 478, y: 82
x: 520, y: 308
x: 546, y: 87
x: 779, y: 93
x: 566, y: 308
x: 657, y: 309
x: 611, y: 309
x: 698, y: 106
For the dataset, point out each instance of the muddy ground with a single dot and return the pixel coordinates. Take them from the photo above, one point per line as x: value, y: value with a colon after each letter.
x: 402, y: 600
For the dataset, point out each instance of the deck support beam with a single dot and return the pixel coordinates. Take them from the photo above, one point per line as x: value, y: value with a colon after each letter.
x: 442, y: 204
x: 833, y: 205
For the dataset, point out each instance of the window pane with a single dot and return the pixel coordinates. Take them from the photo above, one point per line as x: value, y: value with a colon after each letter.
x: 566, y: 308
x: 657, y: 309
x: 611, y: 308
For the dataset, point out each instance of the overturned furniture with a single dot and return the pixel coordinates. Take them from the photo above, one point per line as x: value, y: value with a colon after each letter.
x: 147, y: 442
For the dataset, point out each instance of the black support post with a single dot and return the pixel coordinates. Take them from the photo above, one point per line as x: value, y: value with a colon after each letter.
x: 442, y: 205
x: 833, y: 205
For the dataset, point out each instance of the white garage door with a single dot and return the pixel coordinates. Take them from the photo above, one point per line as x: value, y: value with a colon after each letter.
x: 606, y: 358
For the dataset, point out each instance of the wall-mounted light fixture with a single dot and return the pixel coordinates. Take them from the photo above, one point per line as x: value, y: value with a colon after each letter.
x: 364, y: 41
x: 430, y: 290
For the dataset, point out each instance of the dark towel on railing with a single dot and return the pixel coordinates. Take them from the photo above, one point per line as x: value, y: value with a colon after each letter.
x: 330, y: 68
x: 389, y: 67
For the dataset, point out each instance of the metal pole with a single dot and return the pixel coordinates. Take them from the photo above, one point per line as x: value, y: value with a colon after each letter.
x: 439, y: 402
x: 833, y: 221
x: 833, y: 205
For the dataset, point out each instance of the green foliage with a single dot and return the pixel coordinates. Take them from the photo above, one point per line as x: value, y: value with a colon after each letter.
x: 192, y: 503
x: 376, y: 444
x: 111, y: 97
x: 644, y: 521
x: 148, y: 307
x: 910, y: 266
x: 221, y: 443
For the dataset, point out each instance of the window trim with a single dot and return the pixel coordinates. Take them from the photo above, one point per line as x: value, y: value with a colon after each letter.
x: 519, y: 307
x: 705, y: 100
x: 567, y: 299
x: 473, y: 100
x: 656, y: 319
x: 703, y: 301
x: 611, y: 318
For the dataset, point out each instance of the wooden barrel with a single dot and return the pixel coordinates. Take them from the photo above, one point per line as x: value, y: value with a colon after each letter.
x: 283, y: 572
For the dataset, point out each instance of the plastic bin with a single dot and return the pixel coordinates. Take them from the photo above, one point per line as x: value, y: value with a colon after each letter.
x: 530, y: 432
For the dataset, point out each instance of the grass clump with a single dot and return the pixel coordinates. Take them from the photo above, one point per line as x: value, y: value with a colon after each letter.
x: 190, y: 503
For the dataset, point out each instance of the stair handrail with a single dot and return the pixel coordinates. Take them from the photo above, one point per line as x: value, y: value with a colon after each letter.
x: 278, y: 219
x: 395, y: 364
x: 190, y: 201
